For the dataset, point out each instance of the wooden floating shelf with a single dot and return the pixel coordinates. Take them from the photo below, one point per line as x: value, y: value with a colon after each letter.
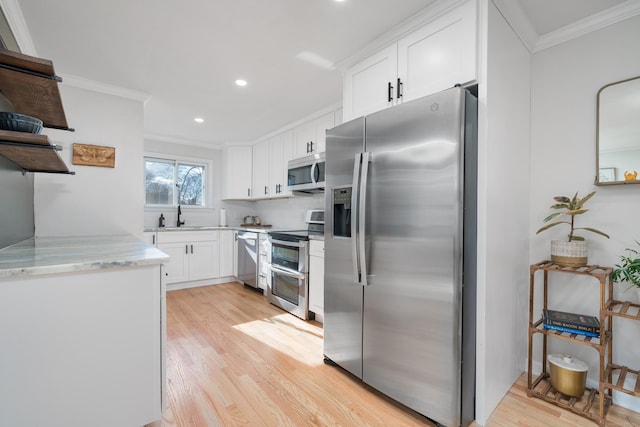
x: 31, y: 86
x: 32, y: 152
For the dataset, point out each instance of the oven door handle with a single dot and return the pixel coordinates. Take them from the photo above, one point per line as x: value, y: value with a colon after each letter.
x: 288, y: 273
x: 287, y: 243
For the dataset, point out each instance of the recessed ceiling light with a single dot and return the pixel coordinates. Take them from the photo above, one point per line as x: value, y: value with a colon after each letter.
x: 241, y: 82
x: 198, y: 120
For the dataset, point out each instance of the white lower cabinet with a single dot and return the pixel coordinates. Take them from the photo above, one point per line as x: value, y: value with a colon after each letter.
x: 264, y: 258
x: 316, y: 278
x: 194, y: 255
x: 227, y: 252
x: 150, y: 237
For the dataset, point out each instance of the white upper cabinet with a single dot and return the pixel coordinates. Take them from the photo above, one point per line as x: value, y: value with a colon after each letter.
x: 261, y: 172
x: 369, y: 85
x: 270, y: 159
x: 281, y: 153
x: 310, y: 138
x: 435, y: 57
x: 237, y: 173
x: 438, y: 55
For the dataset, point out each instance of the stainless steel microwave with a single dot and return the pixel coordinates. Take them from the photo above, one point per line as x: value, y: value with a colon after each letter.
x: 306, y: 174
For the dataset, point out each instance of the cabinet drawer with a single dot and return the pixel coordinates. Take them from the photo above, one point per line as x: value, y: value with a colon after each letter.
x: 316, y: 248
x: 187, y: 236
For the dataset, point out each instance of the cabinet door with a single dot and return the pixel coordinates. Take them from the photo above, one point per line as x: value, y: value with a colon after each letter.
x: 316, y: 277
x: 366, y: 84
x: 150, y: 237
x: 281, y: 152
x: 316, y: 284
x: 238, y: 170
x: 261, y: 176
x: 440, y: 54
x: 322, y: 124
x: 226, y: 252
x: 176, y: 271
x: 303, y: 136
x: 204, y: 261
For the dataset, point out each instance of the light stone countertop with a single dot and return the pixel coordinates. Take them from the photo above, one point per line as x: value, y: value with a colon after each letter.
x: 49, y: 255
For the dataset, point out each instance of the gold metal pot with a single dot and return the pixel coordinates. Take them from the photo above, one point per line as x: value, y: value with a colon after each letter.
x: 568, y: 375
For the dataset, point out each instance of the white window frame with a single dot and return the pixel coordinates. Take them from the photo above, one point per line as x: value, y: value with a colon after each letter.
x: 208, y: 179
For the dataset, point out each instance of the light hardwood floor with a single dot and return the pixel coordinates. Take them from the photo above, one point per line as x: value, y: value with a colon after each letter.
x: 235, y: 360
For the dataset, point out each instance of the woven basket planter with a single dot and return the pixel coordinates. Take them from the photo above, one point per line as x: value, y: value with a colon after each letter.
x: 569, y: 254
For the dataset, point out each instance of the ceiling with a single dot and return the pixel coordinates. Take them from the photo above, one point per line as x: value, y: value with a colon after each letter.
x: 185, y: 56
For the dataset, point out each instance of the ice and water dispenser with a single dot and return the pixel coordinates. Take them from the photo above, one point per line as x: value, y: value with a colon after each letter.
x: 342, y: 212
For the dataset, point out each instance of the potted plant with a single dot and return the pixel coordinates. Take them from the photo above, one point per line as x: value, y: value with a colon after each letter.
x: 572, y: 252
x: 629, y: 269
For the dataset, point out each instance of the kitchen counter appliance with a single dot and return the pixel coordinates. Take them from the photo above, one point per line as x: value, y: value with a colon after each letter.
x: 306, y: 174
x: 400, y: 254
x: 289, y: 284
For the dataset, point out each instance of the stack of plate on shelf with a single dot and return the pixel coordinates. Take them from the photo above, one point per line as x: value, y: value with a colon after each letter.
x: 10, y: 120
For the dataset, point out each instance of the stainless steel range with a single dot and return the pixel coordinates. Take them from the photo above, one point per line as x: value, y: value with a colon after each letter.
x: 289, y: 284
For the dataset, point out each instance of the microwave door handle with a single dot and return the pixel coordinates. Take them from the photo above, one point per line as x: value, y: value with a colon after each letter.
x: 312, y: 172
x: 354, y: 218
x: 362, y: 206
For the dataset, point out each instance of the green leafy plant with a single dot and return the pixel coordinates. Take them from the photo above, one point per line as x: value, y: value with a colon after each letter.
x: 570, y: 207
x: 629, y: 268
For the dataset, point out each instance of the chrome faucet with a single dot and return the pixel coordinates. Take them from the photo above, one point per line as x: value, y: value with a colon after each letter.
x: 180, y: 213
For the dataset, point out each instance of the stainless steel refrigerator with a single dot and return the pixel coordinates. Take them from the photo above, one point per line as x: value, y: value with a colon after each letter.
x: 400, y: 253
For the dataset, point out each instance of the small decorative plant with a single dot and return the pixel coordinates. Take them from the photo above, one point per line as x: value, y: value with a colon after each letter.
x: 571, y: 208
x: 629, y: 268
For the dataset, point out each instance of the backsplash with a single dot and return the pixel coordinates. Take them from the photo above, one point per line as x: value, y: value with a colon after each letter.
x: 281, y: 213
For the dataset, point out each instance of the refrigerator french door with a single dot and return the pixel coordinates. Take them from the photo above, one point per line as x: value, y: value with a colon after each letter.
x: 399, y: 236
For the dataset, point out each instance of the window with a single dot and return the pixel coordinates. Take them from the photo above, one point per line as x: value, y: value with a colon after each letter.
x: 170, y: 182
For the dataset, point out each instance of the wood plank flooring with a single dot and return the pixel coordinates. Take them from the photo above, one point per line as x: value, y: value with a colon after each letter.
x: 235, y: 360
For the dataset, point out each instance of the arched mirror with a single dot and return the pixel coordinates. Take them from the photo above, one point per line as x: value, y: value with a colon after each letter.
x: 618, y: 133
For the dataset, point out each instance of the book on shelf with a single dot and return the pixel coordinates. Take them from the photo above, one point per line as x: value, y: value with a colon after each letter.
x: 580, y: 322
x: 572, y: 331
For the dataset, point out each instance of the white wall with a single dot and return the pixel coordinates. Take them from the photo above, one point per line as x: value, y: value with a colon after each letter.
x: 96, y: 200
x: 565, y: 82
x: 503, y: 211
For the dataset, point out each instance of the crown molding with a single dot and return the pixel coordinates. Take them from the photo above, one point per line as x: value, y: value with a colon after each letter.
x: 13, y: 13
x: 95, y: 86
x: 584, y: 26
x: 184, y: 141
x: 518, y: 21
x: 429, y: 13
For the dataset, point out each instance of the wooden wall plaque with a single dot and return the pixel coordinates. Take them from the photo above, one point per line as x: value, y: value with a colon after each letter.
x: 94, y: 155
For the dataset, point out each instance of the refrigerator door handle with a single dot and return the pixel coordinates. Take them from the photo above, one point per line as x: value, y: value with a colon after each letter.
x: 362, y: 206
x: 355, y: 186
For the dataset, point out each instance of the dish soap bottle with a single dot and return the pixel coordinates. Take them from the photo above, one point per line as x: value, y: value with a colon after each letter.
x: 161, y: 220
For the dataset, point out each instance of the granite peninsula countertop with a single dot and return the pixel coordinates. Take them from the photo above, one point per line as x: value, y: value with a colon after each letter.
x: 48, y: 255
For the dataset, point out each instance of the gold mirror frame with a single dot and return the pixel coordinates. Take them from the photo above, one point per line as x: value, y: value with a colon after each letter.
x: 618, y: 162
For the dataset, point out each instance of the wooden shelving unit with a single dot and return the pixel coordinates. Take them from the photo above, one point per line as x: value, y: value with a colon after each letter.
x: 595, y: 403
x: 30, y: 84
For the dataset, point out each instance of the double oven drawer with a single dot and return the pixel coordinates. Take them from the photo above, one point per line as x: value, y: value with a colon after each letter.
x: 289, y: 287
